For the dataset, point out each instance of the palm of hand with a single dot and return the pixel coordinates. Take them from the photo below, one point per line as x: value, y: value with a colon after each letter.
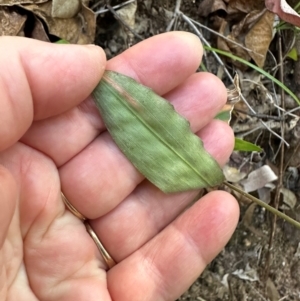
x: 46, y: 253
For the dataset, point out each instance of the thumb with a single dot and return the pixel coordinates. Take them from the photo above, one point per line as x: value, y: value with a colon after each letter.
x: 39, y: 80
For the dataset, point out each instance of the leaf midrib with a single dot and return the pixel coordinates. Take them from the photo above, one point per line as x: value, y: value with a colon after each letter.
x: 124, y: 103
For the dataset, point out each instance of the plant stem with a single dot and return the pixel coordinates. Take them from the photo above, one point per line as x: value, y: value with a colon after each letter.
x: 264, y: 205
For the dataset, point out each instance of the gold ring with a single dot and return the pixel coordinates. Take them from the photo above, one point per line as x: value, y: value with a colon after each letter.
x: 72, y: 208
x: 108, y: 259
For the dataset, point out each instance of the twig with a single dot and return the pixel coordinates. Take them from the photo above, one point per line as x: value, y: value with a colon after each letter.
x: 105, y: 10
x: 279, y: 109
x: 188, y: 20
x: 257, y: 115
x: 297, y: 65
x: 273, y: 84
x: 281, y: 171
x: 287, y: 113
x: 95, y: 4
x: 175, y: 15
x: 111, y: 9
x: 283, y: 298
x: 292, y: 110
x: 225, y: 38
x: 263, y: 204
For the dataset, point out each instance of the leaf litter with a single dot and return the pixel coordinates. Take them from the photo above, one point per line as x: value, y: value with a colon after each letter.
x: 70, y: 20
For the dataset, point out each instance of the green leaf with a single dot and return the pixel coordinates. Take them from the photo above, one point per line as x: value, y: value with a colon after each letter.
x: 245, y: 146
x: 223, y: 116
x: 156, y: 139
x: 293, y: 54
x: 225, y: 113
x: 62, y: 41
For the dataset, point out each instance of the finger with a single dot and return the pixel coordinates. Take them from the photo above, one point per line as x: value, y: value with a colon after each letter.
x: 199, y: 99
x: 104, y: 177
x: 220, y: 148
x: 40, y: 79
x: 8, y: 197
x: 160, y: 63
x: 153, y: 61
x: 148, y: 210
x: 166, y: 266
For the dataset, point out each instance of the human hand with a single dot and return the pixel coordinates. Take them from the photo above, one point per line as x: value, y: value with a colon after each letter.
x: 52, y: 139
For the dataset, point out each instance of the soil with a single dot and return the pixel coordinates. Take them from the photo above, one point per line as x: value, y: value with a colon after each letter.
x: 242, y: 270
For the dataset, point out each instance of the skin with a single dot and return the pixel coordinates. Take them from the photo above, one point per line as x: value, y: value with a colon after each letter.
x: 52, y: 138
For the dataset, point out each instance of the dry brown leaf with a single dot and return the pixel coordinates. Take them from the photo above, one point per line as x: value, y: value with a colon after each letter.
x: 264, y: 193
x: 247, y: 24
x: 289, y: 199
x: 234, y: 91
x: 207, y: 7
x: 259, y: 37
x: 259, y: 178
x: 18, y: 2
x: 226, y: 45
x: 284, y: 11
x: 238, y: 51
x: 224, y: 31
x: 12, y: 23
x: 241, y: 28
x: 38, y: 32
x: 127, y: 15
x: 241, y: 106
x: 77, y: 30
x: 233, y: 174
x: 245, y: 6
x: 65, y: 9
x: 271, y: 291
x: 248, y: 274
